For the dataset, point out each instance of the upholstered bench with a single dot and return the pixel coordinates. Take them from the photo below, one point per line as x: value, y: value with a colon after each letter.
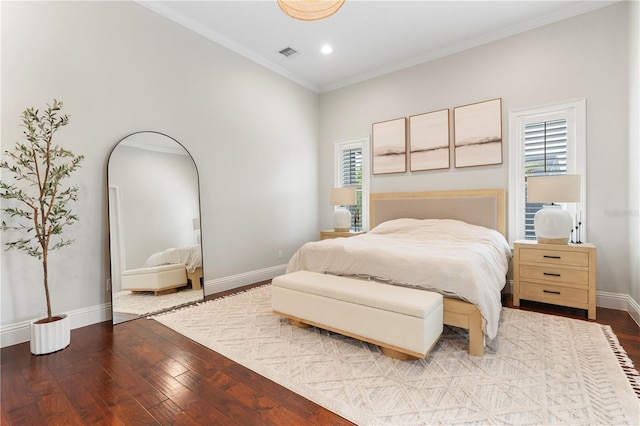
x: 406, y: 323
x: 162, y: 279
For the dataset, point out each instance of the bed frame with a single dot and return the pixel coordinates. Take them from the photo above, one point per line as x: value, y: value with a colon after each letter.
x: 196, y: 278
x: 485, y: 207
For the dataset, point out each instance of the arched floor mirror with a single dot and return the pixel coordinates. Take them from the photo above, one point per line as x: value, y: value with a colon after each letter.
x: 154, y: 226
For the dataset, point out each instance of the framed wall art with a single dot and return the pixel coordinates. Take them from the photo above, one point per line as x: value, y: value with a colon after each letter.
x: 478, y: 134
x: 389, y: 146
x: 429, y: 141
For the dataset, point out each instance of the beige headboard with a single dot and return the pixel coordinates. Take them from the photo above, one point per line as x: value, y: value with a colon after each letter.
x: 485, y: 207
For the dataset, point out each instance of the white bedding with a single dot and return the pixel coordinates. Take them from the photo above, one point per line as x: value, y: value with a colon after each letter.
x: 189, y: 256
x: 444, y: 255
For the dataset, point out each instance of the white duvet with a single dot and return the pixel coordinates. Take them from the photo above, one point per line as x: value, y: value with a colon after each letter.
x: 190, y: 256
x: 444, y: 255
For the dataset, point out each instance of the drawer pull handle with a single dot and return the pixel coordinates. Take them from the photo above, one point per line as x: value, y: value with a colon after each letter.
x: 547, y: 256
x: 550, y: 274
x: 551, y: 292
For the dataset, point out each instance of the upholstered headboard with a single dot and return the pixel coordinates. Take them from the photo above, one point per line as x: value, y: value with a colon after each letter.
x: 485, y: 207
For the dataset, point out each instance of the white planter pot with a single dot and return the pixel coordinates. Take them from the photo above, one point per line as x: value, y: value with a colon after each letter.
x: 51, y: 336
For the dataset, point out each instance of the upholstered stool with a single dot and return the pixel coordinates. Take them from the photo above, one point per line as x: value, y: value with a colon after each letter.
x: 161, y: 279
x: 406, y: 323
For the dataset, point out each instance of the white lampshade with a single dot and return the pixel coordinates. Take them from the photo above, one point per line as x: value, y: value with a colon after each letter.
x: 345, y: 196
x: 196, y: 229
x: 552, y: 223
x: 553, y: 189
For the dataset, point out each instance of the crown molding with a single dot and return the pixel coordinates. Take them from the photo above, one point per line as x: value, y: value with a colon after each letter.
x: 574, y: 10
x: 578, y: 8
x: 208, y: 33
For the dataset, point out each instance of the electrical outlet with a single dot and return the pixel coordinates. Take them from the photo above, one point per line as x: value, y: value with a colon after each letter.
x: 108, y: 284
x: 279, y: 254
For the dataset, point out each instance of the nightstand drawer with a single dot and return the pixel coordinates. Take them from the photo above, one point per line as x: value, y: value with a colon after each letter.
x: 552, y: 294
x: 549, y: 273
x: 555, y: 257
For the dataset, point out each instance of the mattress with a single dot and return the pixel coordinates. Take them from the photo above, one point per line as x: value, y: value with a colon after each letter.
x: 189, y: 256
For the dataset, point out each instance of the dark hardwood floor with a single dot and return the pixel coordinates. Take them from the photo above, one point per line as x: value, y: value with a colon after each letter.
x: 142, y: 373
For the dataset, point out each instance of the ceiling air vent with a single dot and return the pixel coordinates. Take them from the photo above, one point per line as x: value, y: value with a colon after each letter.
x: 289, y: 52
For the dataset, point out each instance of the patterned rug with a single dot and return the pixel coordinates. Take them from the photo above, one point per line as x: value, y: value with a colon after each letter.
x: 544, y: 369
x: 147, y: 302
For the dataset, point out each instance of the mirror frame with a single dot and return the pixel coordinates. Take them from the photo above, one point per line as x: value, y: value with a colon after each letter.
x: 111, y: 238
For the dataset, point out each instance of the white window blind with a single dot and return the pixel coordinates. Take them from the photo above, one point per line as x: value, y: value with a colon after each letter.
x: 352, y: 176
x: 544, y: 140
x: 351, y: 159
x: 545, y: 153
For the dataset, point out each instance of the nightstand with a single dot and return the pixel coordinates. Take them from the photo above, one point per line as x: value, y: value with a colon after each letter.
x: 325, y: 235
x: 555, y: 273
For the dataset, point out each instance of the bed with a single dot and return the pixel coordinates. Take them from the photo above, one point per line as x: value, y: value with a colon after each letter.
x: 481, y: 211
x: 189, y: 256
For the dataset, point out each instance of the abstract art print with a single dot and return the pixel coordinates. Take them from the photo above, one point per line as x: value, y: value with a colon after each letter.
x: 478, y: 134
x: 429, y: 140
x: 390, y: 146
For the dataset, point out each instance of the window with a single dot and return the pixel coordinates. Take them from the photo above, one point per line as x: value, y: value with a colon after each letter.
x: 352, y: 169
x: 547, y: 140
x: 545, y: 153
x: 352, y: 176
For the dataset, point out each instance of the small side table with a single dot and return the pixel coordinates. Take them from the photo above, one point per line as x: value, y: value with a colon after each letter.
x: 325, y: 235
x: 558, y: 274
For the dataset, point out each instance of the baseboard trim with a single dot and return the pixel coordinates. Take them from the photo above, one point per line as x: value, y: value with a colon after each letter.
x: 19, y: 332
x: 620, y: 302
x: 234, y: 281
x: 634, y: 310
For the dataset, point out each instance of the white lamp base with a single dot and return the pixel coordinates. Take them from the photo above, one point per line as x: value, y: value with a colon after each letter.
x: 341, y: 220
x: 553, y: 225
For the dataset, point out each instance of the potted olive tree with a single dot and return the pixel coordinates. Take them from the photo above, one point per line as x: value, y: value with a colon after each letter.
x: 36, y: 206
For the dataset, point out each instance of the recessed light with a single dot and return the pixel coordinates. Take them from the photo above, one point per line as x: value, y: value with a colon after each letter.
x: 326, y: 49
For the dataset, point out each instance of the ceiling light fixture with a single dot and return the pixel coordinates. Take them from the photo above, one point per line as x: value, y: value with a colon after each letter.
x: 310, y: 10
x: 326, y: 49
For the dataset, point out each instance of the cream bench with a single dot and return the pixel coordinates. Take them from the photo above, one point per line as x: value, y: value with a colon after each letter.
x: 162, y: 279
x: 406, y: 323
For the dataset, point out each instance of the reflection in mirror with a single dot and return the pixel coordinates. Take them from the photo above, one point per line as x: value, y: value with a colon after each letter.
x: 154, y: 226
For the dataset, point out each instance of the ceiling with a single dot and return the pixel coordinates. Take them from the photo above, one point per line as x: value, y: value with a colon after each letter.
x: 369, y: 38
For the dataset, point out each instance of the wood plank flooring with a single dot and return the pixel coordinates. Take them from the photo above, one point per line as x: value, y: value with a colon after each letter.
x: 142, y: 373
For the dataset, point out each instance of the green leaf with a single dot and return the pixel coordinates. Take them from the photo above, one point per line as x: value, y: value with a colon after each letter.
x: 38, y: 168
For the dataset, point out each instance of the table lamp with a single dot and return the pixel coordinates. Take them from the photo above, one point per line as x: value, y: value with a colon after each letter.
x: 345, y: 196
x: 196, y: 228
x: 552, y: 223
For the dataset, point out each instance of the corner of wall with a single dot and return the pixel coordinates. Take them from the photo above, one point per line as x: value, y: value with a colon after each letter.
x: 634, y: 153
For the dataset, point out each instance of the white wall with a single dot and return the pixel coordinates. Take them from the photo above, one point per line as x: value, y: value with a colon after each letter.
x: 120, y: 68
x: 585, y: 56
x: 634, y: 151
x: 158, y: 199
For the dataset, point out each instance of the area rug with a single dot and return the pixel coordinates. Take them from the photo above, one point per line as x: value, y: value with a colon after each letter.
x: 544, y: 369
x: 147, y: 302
